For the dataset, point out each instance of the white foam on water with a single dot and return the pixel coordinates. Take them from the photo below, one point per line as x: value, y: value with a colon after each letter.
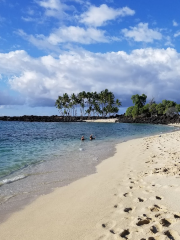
x: 11, y: 180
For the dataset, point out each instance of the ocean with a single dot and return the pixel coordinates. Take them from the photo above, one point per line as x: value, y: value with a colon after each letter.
x: 37, y: 157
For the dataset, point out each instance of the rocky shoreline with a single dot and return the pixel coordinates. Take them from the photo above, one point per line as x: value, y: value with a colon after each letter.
x: 54, y: 118
x: 33, y: 118
x: 163, y: 119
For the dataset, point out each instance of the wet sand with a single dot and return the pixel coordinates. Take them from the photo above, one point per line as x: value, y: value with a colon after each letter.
x: 134, y: 195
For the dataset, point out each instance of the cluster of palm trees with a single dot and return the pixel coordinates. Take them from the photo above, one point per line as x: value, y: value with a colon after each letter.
x: 90, y: 103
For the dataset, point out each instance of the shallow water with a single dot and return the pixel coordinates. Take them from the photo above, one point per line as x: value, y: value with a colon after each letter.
x: 37, y: 157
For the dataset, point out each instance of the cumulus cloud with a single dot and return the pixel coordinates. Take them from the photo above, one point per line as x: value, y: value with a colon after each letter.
x: 142, y: 33
x: 98, y: 16
x: 154, y: 72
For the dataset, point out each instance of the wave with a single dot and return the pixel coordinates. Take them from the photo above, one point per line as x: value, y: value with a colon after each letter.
x: 11, y: 180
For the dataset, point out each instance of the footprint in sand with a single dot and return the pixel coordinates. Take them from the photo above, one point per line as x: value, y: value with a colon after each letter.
x: 140, y: 200
x: 165, y: 222
x: 125, y: 233
x: 171, y: 234
x: 129, y: 194
x: 159, y: 198
x: 142, y: 222
x: 156, y: 228
x: 128, y: 210
x: 109, y: 225
x: 157, y: 208
x: 157, y: 215
x: 112, y: 231
x: 177, y: 216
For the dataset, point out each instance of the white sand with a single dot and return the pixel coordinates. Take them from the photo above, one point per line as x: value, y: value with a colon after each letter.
x: 134, y: 195
x: 111, y: 120
x: 174, y: 124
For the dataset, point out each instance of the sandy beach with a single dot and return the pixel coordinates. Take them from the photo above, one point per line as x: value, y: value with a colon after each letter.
x: 112, y: 120
x: 174, y: 124
x: 134, y: 195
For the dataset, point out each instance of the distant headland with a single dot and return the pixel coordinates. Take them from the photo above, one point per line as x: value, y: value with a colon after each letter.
x: 160, y: 119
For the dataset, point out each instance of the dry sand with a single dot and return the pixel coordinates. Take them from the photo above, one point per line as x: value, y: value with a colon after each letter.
x: 111, y: 120
x: 134, y: 195
x: 174, y: 124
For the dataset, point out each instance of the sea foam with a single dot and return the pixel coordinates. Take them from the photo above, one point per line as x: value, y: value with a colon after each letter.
x: 11, y: 180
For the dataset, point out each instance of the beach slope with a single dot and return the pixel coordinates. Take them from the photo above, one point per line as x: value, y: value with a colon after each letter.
x: 134, y: 195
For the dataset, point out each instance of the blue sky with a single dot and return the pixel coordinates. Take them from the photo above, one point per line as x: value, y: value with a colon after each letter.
x: 49, y: 47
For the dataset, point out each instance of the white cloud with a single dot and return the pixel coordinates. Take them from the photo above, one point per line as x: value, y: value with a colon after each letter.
x: 142, y: 33
x: 78, y: 35
x: 53, y: 8
x: 175, y: 24
x: 169, y: 42
x: 177, y: 34
x: 29, y: 19
x: 154, y: 72
x: 66, y: 35
x: 39, y: 40
x: 98, y: 16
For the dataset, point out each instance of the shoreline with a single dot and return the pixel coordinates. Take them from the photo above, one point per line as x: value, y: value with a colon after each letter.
x: 174, y: 124
x: 12, y: 202
x: 94, y: 207
x: 112, y: 120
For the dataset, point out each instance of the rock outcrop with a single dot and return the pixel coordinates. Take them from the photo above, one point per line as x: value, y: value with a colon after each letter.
x: 162, y: 119
x: 53, y: 118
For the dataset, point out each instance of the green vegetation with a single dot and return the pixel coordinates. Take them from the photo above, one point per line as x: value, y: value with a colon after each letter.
x: 104, y: 104
x: 91, y: 103
x: 167, y: 107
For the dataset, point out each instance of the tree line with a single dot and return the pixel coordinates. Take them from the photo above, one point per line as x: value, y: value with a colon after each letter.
x: 90, y: 103
x: 152, y: 108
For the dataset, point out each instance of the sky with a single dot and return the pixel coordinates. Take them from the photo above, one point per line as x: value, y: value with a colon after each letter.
x: 51, y: 47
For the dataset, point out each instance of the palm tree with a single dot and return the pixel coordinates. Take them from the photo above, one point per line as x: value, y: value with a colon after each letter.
x: 89, y: 97
x: 59, y: 104
x: 105, y: 97
x: 65, y: 103
x: 81, y: 101
x: 102, y: 103
x: 74, y: 102
x: 94, y: 101
x: 97, y: 109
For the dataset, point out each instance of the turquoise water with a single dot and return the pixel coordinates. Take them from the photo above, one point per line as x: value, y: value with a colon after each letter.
x: 23, y: 144
x: 35, y: 157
